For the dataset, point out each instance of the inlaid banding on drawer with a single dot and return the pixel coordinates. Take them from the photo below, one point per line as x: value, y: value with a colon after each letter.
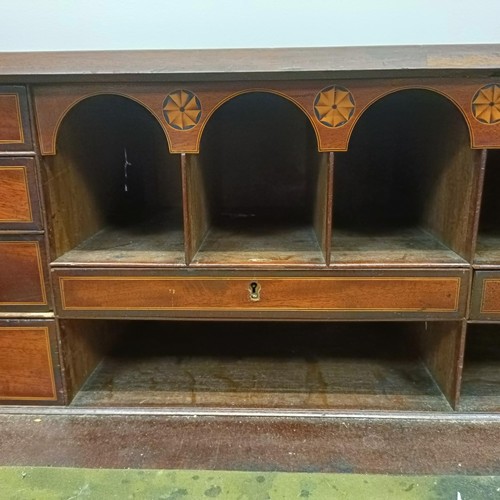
x: 485, y: 298
x: 26, y: 368
x: 11, y: 127
x: 378, y: 294
x: 21, y: 274
x: 490, y: 302
x: 15, y: 202
x: 19, y: 198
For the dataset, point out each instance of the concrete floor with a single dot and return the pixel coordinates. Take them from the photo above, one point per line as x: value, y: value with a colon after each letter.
x: 46, y: 483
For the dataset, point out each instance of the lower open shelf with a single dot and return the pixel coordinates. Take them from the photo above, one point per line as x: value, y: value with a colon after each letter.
x: 268, y: 365
x: 481, y: 375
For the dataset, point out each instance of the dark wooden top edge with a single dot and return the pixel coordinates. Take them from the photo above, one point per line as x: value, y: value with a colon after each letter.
x: 261, y: 62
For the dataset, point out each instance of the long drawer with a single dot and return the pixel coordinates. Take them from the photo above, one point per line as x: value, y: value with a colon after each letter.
x: 81, y: 293
x: 29, y: 368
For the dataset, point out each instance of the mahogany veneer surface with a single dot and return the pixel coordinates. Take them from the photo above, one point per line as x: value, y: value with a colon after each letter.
x: 28, y: 362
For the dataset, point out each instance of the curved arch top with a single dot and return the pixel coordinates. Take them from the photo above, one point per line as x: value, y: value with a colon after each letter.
x: 52, y: 121
x: 53, y: 102
x: 404, y: 89
x: 263, y: 90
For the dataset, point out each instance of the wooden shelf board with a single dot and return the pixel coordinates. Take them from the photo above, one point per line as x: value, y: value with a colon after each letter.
x: 262, y: 383
x: 250, y: 243
x: 285, y: 62
x: 355, y: 443
x: 241, y: 365
x: 481, y: 375
x: 481, y: 387
x: 488, y: 249
x: 410, y: 247
x: 155, y: 241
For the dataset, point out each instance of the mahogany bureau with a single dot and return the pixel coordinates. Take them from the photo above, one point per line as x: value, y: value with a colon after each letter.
x: 310, y: 229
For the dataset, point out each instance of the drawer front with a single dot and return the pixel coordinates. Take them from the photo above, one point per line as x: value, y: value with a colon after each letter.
x: 19, y: 203
x: 263, y: 296
x: 22, y: 277
x: 485, y: 303
x: 29, y: 370
x: 15, y: 134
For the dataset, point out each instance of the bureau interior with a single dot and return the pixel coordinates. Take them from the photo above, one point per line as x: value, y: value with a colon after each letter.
x: 481, y: 374
x: 488, y: 241
x: 113, y: 189
x: 268, y: 365
x: 258, y: 188
x: 404, y: 191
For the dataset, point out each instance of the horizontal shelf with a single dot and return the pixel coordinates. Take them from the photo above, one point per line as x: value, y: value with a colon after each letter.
x: 481, y: 375
x: 488, y: 249
x: 408, y: 247
x: 156, y: 241
x: 245, y: 365
x: 253, y: 241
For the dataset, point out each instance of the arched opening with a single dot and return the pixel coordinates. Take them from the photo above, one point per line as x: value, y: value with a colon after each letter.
x: 258, y: 186
x: 113, y: 189
x: 488, y: 239
x: 403, y: 193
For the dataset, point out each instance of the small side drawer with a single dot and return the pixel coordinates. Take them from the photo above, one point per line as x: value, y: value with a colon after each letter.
x: 29, y: 367
x: 339, y: 296
x: 19, y: 202
x: 15, y: 134
x: 485, y: 303
x: 22, y: 274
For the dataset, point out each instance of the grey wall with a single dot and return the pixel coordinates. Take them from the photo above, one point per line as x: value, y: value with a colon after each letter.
x: 126, y: 24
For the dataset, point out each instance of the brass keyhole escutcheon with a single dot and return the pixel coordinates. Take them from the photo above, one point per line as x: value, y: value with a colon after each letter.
x: 254, y: 290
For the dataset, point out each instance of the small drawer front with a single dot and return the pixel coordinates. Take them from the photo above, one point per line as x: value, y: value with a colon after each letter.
x: 28, y: 362
x: 22, y: 281
x: 15, y: 134
x: 485, y: 304
x: 19, y: 203
x: 264, y: 295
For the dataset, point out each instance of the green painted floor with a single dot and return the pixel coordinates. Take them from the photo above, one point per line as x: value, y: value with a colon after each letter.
x: 45, y: 483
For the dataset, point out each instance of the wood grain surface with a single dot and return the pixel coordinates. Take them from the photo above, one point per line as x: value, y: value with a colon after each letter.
x: 15, y: 133
x: 11, y: 130
x: 488, y: 235
x: 19, y: 198
x: 21, y: 274
x: 29, y: 362
x: 88, y: 189
x: 290, y: 365
x: 53, y: 102
x: 15, y: 203
x: 259, y: 441
x: 225, y: 294
x: 442, y: 347
x: 481, y: 374
x: 284, y: 62
x: 273, y: 211
x: 485, y: 300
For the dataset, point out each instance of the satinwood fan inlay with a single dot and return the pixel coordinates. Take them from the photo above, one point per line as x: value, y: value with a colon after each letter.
x: 334, y: 106
x: 486, y: 104
x: 182, y: 109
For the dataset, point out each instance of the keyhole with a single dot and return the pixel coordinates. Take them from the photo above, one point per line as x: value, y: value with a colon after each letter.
x: 254, y: 290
